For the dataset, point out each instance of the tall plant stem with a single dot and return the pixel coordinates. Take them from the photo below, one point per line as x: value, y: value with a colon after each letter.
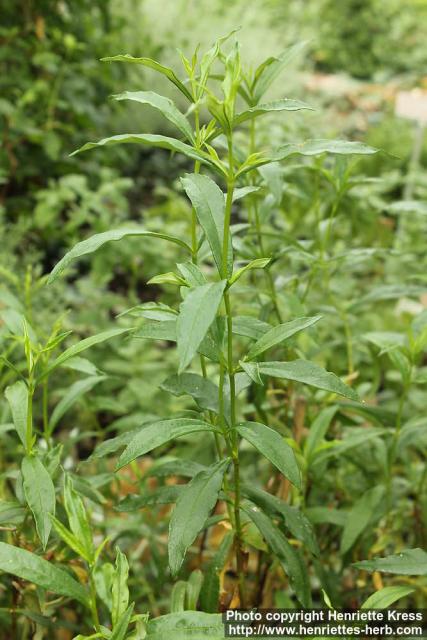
x: 29, y: 430
x: 231, y: 378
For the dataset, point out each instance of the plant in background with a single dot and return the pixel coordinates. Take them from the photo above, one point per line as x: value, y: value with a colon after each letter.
x: 240, y: 363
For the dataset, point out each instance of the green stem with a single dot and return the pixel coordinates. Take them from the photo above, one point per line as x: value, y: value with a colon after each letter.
x: 231, y: 377
x: 93, y: 607
x: 29, y: 431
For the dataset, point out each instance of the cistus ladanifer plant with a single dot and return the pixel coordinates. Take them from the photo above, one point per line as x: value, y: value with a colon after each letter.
x: 244, y: 371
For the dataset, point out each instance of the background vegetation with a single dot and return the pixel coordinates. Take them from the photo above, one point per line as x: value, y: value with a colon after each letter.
x: 370, y: 286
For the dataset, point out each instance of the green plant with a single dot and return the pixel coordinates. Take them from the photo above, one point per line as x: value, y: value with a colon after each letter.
x: 234, y: 388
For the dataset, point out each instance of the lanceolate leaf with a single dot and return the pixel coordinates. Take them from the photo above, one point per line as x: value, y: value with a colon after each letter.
x: 77, y: 518
x: 28, y: 566
x: 17, y: 397
x: 162, y: 104
x: 295, y: 521
x: 82, y: 346
x: 280, y: 333
x: 122, y: 625
x: 318, y: 430
x: 156, y: 66
x: 273, y: 447
x: 258, y: 263
x: 385, y: 597
x: 209, y: 205
x: 119, y: 587
x: 196, y: 315
x: 40, y: 495
x: 162, y: 495
x: 209, y: 595
x: 316, y: 147
x: 192, y: 510
x: 307, y: 373
x: 410, y: 562
x: 360, y: 515
x: 153, y: 140
x: 268, y: 107
x: 95, y: 242
x: 268, y: 71
x: 203, y: 390
x: 289, y: 557
x: 155, y: 434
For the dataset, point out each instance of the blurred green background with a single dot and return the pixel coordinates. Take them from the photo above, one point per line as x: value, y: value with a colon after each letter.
x: 55, y: 96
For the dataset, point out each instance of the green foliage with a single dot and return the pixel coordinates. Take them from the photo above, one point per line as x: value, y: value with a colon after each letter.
x: 279, y: 444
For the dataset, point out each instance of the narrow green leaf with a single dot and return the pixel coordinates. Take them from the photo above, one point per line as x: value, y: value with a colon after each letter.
x: 178, y: 596
x: 268, y: 71
x: 162, y: 495
x: 192, y: 510
x: 385, y: 597
x: 17, y: 397
x: 209, y: 595
x: 307, y: 373
x: 111, y: 445
x: 197, y: 312
x: 83, y: 366
x: 321, y: 515
x: 77, y: 518
x: 204, y: 391
x: 39, y: 494
x: 155, y: 434
x: 122, y: 625
x: 410, y: 562
x: 277, y: 105
x: 81, y: 346
x: 280, y: 333
x: 295, y: 521
x: 11, y: 512
x: 289, y: 558
x: 258, y: 263
x: 154, y: 140
x: 28, y: 566
x: 154, y: 330
x: 69, y: 539
x: 74, y: 393
x: 316, y: 147
x: 252, y: 370
x: 273, y: 447
x: 242, y: 192
x: 194, y: 585
x: 162, y: 104
x: 156, y: 66
x: 360, y: 516
x: 119, y: 588
x: 98, y: 240
x: 209, y: 205
x: 318, y: 430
